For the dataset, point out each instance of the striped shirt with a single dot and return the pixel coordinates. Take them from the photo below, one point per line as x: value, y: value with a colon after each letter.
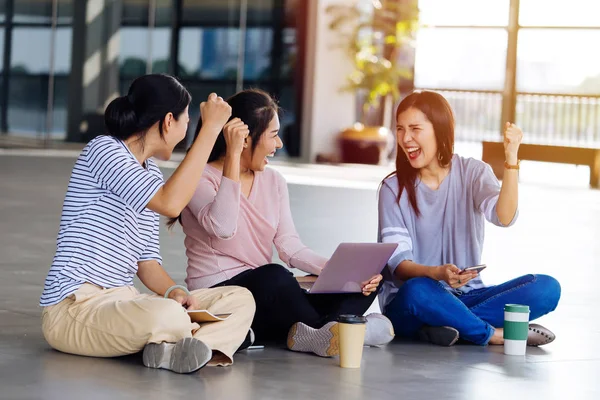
x: 450, y: 229
x: 105, y: 227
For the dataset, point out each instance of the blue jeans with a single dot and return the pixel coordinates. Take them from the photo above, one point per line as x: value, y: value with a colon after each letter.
x: 424, y: 301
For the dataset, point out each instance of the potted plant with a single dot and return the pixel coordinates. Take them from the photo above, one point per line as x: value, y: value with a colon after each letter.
x: 378, y: 37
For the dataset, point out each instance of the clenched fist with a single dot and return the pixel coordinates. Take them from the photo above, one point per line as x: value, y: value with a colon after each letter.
x: 513, y: 136
x: 235, y: 132
x: 215, y: 112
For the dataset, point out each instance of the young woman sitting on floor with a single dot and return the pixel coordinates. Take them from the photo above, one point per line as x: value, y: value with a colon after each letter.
x: 434, y: 206
x: 109, y: 232
x: 239, y: 212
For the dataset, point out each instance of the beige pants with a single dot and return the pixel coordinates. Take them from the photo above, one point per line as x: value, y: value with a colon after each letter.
x: 114, y: 322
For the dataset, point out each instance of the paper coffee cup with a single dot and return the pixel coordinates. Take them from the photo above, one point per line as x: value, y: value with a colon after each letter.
x: 516, y: 329
x: 352, y: 338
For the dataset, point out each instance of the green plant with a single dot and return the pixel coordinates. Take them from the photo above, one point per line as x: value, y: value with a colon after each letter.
x: 373, y: 33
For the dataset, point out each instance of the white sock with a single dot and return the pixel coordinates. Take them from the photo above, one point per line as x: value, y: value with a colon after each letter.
x: 380, y: 330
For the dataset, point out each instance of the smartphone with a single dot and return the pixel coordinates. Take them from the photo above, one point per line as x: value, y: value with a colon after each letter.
x: 476, y: 268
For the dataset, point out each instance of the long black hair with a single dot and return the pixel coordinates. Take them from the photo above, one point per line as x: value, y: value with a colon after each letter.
x: 256, y: 108
x: 149, y: 99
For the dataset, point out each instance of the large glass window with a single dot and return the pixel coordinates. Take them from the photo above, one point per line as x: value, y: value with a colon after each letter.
x: 209, y: 53
x: 257, y: 54
x: 211, y: 12
x: 464, y: 12
x: 211, y: 45
x: 40, y: 11
x: 28, y: 82
x: 461, y: 58
x: 31, y: 50
x: 212, y: 53
x: 2, y: 10
x: 558, y: 61
x: 462, y: 44
x: 559, y: 13
x: 1, y: 48
x: 226, y: 46
x: 145, y: 44
x: 463, y: 48
x: 558, y: 77
x: 2, y: 78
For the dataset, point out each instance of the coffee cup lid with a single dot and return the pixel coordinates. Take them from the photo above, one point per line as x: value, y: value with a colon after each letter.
x: 352, y: 319
x: 518, y: 308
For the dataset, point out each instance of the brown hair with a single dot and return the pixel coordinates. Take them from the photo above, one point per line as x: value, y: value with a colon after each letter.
x: 438, y: 111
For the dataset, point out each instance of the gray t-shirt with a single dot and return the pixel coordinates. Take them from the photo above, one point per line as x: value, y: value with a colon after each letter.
x: 450, y: 228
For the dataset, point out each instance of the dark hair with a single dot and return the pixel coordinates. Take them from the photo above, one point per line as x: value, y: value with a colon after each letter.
x: 256, y: 108
x: 438, y: 111
x: 149, y: 100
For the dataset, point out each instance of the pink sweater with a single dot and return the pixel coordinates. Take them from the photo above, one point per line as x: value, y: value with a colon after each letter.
x: 227, y: 233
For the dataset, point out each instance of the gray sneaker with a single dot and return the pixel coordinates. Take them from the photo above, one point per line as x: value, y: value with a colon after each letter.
x: 324, y: 342
x: 440, y: 335
x: 380, y: 330
x: 185, y: 356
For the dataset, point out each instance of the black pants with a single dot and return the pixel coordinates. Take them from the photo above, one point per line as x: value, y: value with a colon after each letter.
x: 280, y: 302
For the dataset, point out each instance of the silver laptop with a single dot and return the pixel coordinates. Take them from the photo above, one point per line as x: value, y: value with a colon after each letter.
x: 349, y: 266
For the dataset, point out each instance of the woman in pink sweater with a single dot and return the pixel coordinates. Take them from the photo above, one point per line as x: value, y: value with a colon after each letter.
x: 239, y: 212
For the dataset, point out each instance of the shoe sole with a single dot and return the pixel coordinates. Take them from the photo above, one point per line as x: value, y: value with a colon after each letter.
x: 185, y: 356
x: 543, y: 336
x: 441, y: 336
x: 324, y: 342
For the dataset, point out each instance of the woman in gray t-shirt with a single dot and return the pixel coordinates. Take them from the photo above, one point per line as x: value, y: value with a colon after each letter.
x: 435, y: 206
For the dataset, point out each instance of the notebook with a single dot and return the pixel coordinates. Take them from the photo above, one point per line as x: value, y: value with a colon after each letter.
x: 202, y: 316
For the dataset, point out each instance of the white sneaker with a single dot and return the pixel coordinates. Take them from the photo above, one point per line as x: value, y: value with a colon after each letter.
x: 380, y: 330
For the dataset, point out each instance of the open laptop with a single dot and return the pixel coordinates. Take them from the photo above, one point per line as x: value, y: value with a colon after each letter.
x: 349, y: 266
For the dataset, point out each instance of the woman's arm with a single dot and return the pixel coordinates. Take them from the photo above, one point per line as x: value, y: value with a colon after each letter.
x: 448, y: 273
x: 499, y: 203
x: 235, y: 133
x: 408, y: 269
x: 509, y: 193
x: 177, y: 191
x: 153, y: 275
x: 392, y: 229
x: 217, y: 209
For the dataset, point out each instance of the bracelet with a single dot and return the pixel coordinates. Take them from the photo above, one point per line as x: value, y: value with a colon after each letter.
x: 169, y: 290
x: 508, y: 166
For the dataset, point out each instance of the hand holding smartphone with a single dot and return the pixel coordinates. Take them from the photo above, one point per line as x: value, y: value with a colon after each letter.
x: 475, y: 268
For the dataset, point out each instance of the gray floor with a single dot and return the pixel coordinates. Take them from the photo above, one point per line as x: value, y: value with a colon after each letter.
x: 557, y: 234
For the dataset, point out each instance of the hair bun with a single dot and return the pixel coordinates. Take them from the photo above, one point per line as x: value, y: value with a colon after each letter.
x: 120, y: 118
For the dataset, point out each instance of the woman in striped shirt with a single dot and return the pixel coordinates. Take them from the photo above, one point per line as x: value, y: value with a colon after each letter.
x: 435, y: 206
x: 109, y: 232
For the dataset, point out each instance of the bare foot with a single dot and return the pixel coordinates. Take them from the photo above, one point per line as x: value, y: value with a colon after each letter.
x: 497, y: 337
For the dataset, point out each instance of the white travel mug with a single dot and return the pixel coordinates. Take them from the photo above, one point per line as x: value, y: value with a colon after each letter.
x: 516, y: 329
